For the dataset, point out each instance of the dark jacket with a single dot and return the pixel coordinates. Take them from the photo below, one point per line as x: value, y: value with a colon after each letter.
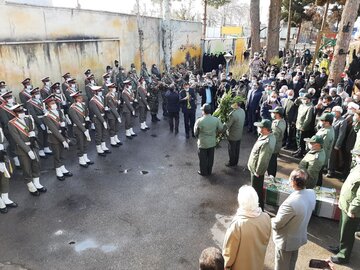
x: 173, y: 103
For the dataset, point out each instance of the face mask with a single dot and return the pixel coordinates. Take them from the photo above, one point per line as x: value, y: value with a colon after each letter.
x: 28, y: 87
x: 282, y: 95
x: 357, y: 159
x: 295, y: 81
x: 339, y: 91
x: 330, y: 84
x: 108, y: 80
x: 10, y: 100
x: 37, y: 96
x: 53, y: 107
x: 304, y: 102
x: 311, y: 80
x: 324, y: 104
x: 272, y: 77
x: 309, y: 145
x: 272, y: 99
x: 281, y: 78
x: 351, y: 112
x: 355, y: 118
x: 259, y: 130
x: 333, y: 114
x: 130, y: 87
x: 21, y: 115
x: 290, y: 97
x: 58, y: 91
x: 92, y: 81
x: 346, y: 79
x: 73, y: 86
x: 272, y: 115
x: 321, y: 124
x: 123, y: 71
x: 47, y: 83
x: 186, y: 89
x: 264, y: 78
x: 99, y: 94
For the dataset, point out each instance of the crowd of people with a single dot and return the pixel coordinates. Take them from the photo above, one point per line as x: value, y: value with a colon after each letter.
x: 289, y: 106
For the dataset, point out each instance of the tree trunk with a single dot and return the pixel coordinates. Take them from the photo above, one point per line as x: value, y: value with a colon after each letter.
x: 167, y: 35
x: 287, y: 44
x: 205, y: 18
x: 140, y: 31
x: 255, y: 26
x: 272, y: 42
x: 348, y: 19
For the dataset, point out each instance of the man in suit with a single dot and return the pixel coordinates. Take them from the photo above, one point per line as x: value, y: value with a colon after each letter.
x: 290, y: 114
x: 291, y: 222
x: 188, y: 105
x: 234, y: 129
x: 349, y: 203
x: 205, y: 129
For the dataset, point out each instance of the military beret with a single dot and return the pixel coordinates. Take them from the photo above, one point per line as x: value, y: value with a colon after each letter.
x: 315, y: 139
x: 327, y: 117
x: 278, y: 110
x: 265, y: 123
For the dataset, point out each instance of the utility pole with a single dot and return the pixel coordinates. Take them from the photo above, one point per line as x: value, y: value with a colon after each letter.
x: 287, y: 44
x: 205, y: 18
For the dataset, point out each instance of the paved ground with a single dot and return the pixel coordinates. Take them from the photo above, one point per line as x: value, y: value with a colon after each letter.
x: 142, y: 207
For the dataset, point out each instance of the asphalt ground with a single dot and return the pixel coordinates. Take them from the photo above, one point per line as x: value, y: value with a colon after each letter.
x: 141, y: 207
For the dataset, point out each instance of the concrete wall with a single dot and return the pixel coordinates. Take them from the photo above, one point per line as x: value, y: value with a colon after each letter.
x: 48, y: 41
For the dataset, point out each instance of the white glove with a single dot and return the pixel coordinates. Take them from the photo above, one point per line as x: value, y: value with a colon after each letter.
x: 2, y: 167
x: 32, y: 134
x: 148, y: 107
x: 31, y: 155
x: 105, y: 125
x: 87, y: 118
x: 67, y: 119
x: 119, y: 102
x: 119, y: 120
x: 133, y: 113
x: 1, y: 147
x: 87, y: 134
x: 62, y: 124
x: 66, y: 145
x: 106, y: 108
x: 148, y: 94
x: 135, y: 100
x: 42, y: 126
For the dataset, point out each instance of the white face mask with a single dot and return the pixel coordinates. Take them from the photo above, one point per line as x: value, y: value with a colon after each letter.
x: 309, y: 145
x: 47, y: 83
x: 28, y: 87
x: 355, y: 118
x: 92, y: 81
x: 304, y: 102
x: 58, y: 91
x: 108, y: 80
x: 273, y: 115
x: 351, y: 112
x: 321, y: 124
x: 272, y: 99
x: 357, y: 159
x: 99, y: 94
x: 37, y: 96
x: 290, y: 97
x: 259, y: 130
x: 21, y: 115
x: 10, y: 100
x: 53, y: 107
x: 130, y: 87
x: 73, y: 86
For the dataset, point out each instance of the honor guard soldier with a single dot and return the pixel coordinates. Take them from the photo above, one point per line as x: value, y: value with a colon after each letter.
x: 25, y: 95
x: 65, y: 83
x: 107, y: 80
x: 36, y: 109
x: 6, y: 114
x: 260, y: 157
x: 91, y: 82
x: 23, y: 130
x: 97, y: 108
x: 143, y: 104
x: 112, y: 115
x: 3, y: 87
x: 57, y: 137
x: 80, y: 117
x: 133, y: 76
x: 71, y: 89
x: 145, y: 73
x: 87, y: 74
x: 278, y: 128
x: 314, y: 160
x: 5, y: 174
x: 128, y: 109
x: 45, y: 91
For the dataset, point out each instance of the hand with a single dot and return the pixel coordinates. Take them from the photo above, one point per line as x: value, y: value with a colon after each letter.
x: 135, y: 100
x: 106, y: 108
x: 86, y: 132
x: 256, y: 175
x: 62, y: 124
x: 42, y: 126
x: 66, y: 145
x: 119, y: 120
x: 350, y: 215
x: 148, y: 107
x: 32, y: 134
x: 105, y: 125
x: 1, y: 147
x: 336, y: 148
x: 2, y: 167
x: 31, y: 155
x: 87, y: 118
x: 133, y: 113
x: 67, y: 119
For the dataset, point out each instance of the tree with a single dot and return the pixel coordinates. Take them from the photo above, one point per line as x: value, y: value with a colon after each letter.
x: 166, y: 28
x: 272, y: 41
x: 214, y: 3
x: 348, y: 19
x: 255, y: 26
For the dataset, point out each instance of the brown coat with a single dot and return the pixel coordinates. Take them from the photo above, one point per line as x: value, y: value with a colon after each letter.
x: 246, y: 241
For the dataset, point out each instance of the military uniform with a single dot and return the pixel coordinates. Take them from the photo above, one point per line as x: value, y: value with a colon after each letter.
x: 107, y: 80
x: 340, y: 126
x: 98, y: 109
x: 313, y: 163
x: 234, y: 131
x: 206, y: 129
x: 153, y: 101
x: 128, y: 110
x: 65, y: 83
x: 304, y: 125
x: 24, y: 132
x: 79, y: 115
x: 113, y: 116
x: 259, y: 161
x: 143, y: 106
x: 349, y: 203
x: 328, y: 136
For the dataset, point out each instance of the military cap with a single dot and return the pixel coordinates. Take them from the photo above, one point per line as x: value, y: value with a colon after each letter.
x: 265, y: 123
x: 25, y: 81
x: 34, y: 91
x: 45, y: 79
x: 17, y: 108
x: 2, y: 83
x: 111, y: 85
x: 307, y: 96
x: 327, y: 117
x: 76, y: 94
x: 66, y: 75
x: 127, y: 81
x: 355, y: 152
x: 278, y: 110
x: 96, y: 88
x: 7, y: 93
x: 106, y: 75
x: 55, y: 85
x: 71, y: 80
x: 89, y: 76
x: 87, y: 72
x: 315, y: 139
x: 49, y: 99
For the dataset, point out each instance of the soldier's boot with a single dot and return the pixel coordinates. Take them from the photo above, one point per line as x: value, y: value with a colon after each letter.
x: 92, y: 126
x: 3, y: 209
x: 59, y: 174
x: 38, y: 186
x: 113, y: 142
x: 156, y: 118
x: 42, y: 153
x: 128, y: 134
x: 133, y: 134
x: 153, y: 118
x: 16, y: 162
x: 104, y: 148
x: 47, y: 151
x: 87, y: 160
x: 82, y: 162
x: 100, y: 151
x: 146, y: 126
x: 142, y: 126
x: 117, y: 140
x: 32, y: 189
x: 7, y: 201
x: 65, y: 172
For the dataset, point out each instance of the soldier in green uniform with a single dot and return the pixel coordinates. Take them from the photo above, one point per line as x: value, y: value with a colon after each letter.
x: 349, y: 203
x: 23, y: 130
x: 153, y: 100
x: 304, y: 123
x: 112, y: 115
x: 327, y: 133
x: 314, y: 160
x: 79, y: 115
x: 5, y: 174
x: 234, y: 131
x: 205, y: 129
x: 107, y: 80
x: 260, y: 156
x: 142, y: 94
x: 278, y: 128
x: 57, y: 138
x: 97, y: 108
